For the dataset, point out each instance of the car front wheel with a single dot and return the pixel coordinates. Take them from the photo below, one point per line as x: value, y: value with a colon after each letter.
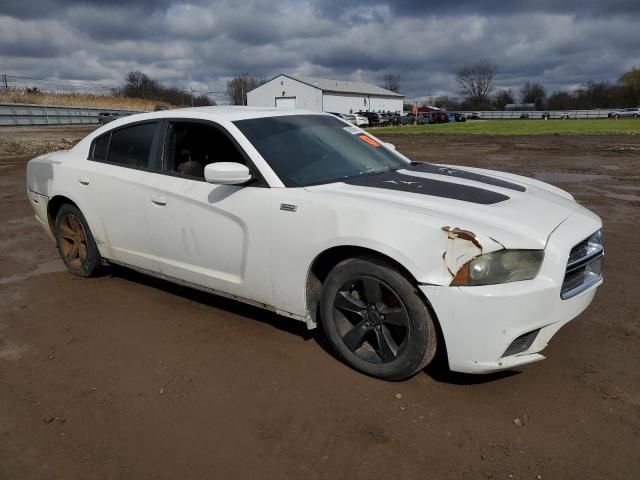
x: 375, y: 319
x: 75, y: 242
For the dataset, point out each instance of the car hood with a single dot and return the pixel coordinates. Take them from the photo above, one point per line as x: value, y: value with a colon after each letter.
x: 515, y: 211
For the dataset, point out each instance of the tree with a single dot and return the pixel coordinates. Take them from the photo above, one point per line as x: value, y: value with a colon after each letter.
x: 446, y: 103
x: 238, y: 87
x: 503, y: 98
x: 392, y: 82
x: 533, y: 93
x: 138, y: 84
x: 476, y: 81
x: 561, y: 100
x: 630, y: 82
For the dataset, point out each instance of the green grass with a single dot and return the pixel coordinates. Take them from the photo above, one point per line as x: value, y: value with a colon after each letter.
x: 519, y: 127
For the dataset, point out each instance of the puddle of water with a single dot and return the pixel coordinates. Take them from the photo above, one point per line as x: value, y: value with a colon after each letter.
x: 628, y: 197
x: 563, y: 177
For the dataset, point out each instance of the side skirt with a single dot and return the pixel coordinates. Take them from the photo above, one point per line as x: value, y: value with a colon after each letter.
x: 306, y: 319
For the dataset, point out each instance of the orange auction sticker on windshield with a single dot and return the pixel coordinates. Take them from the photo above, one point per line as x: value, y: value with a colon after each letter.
x: 369, y: 140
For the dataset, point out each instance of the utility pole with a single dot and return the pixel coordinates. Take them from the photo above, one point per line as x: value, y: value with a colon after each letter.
x: 6, y: 85
x: 192, y: 96
x: 242, y: 91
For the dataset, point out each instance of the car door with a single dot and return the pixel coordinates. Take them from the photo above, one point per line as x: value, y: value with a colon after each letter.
x: 215, y: 236
x: 112, y: 192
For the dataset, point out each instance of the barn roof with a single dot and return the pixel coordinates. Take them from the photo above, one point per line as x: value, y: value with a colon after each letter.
x: 343, y: 86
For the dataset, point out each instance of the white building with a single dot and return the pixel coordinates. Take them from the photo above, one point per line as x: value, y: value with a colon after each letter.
x: 324, y: 95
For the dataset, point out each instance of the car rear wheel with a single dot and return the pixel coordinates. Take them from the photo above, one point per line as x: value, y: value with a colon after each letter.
x: 375, y: 319
x: 75, y: 243
x: 617, y: 117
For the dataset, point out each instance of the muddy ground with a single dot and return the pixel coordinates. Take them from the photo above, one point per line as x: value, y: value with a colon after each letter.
x: 126, y: 377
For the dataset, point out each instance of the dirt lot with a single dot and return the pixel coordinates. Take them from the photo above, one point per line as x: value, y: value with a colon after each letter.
x: 126, y: 377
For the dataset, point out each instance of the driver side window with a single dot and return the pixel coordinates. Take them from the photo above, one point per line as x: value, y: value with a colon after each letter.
x: 190, y: 146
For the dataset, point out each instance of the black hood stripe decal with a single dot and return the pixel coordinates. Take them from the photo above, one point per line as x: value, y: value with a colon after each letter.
x: 427, y: 186
x: 476, y: 177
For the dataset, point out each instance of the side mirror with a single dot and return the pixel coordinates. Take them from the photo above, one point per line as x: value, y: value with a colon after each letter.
x: 227, y: 173
x: 390, y: 146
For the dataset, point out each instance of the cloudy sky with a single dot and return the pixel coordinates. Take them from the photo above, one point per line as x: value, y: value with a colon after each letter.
x: 202, y: 43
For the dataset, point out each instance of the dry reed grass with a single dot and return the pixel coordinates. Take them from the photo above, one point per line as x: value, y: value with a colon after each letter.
x: 75, y: 99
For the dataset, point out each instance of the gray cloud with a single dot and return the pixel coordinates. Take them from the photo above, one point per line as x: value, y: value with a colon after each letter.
x: 203, y: 43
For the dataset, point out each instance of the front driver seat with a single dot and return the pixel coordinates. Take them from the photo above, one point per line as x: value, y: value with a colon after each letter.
x: 190, y: 167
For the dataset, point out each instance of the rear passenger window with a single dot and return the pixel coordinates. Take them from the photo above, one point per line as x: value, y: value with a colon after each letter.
x: 100, y: 148
x: 131, y: 146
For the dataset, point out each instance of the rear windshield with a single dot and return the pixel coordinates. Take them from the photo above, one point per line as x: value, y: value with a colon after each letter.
x: 313, y: 149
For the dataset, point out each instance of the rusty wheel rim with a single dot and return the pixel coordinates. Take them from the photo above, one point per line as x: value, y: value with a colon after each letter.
x: 73, y: 240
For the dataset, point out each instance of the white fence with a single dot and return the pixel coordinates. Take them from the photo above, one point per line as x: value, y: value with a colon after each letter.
x: 579, y: 114
x: 22, y: 114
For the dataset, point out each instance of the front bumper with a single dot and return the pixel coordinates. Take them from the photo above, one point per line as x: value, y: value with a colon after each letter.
x: 480, y: 323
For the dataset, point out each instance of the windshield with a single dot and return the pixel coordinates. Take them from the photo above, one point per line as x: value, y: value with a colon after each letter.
x: 312, y: 149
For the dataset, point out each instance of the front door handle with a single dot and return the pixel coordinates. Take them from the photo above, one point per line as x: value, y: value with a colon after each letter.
x: 158, y: 200
x: 83, y: 181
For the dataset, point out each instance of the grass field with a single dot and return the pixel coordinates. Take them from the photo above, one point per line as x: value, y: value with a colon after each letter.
x: 519, y: 127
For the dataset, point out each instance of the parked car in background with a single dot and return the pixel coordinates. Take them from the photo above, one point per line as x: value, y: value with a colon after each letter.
x: 106, y: 117
x: 438, y: 117
x: 349, y: 118
x: 407, y: 119
x: 316, y: 220
x: 384, y: 120
x: 361, y: 121
x: 564, y: 116
x: 394, y: 118
x: 460, y: 117
x: 625, y: 113
x: 423, y: 118
x: 546, y: 116
x: 524, y: 116
x: 373, y: 117
x: 475, y: 116
x: 451, y: 117
x: 356, y: 119
x: 161, y: 107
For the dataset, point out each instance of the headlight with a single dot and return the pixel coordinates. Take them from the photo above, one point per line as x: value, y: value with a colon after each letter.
x: 502, y: 266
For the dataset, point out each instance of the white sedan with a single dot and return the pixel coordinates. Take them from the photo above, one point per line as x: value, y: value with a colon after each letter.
x: 313, y: 218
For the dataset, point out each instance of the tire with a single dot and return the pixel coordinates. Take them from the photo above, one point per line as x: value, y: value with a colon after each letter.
x: 617, y: 117
x: 390, y: 337
x: 75, y: 242
x: 635, y: 115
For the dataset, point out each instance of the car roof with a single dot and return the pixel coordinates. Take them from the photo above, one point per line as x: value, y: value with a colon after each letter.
x: 229, y: 113
x: 215, y: 114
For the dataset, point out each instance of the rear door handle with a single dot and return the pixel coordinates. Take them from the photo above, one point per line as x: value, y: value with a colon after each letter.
x: 83, y: 181
x: 158, y: 200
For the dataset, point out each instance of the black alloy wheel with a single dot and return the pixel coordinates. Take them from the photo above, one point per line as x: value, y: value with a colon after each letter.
x: 371, y: 319
x: 376, y: 320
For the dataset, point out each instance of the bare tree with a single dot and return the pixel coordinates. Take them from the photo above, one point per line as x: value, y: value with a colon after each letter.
x: 392, y: 82
x: 476, y: 81
x: 533, y: 92
x: 238, y: 87
x: 503, y: 98
x: 138, y: 84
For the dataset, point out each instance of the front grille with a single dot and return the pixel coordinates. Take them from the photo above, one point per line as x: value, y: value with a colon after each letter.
x: 584, y: 267
x: 522, y: 343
